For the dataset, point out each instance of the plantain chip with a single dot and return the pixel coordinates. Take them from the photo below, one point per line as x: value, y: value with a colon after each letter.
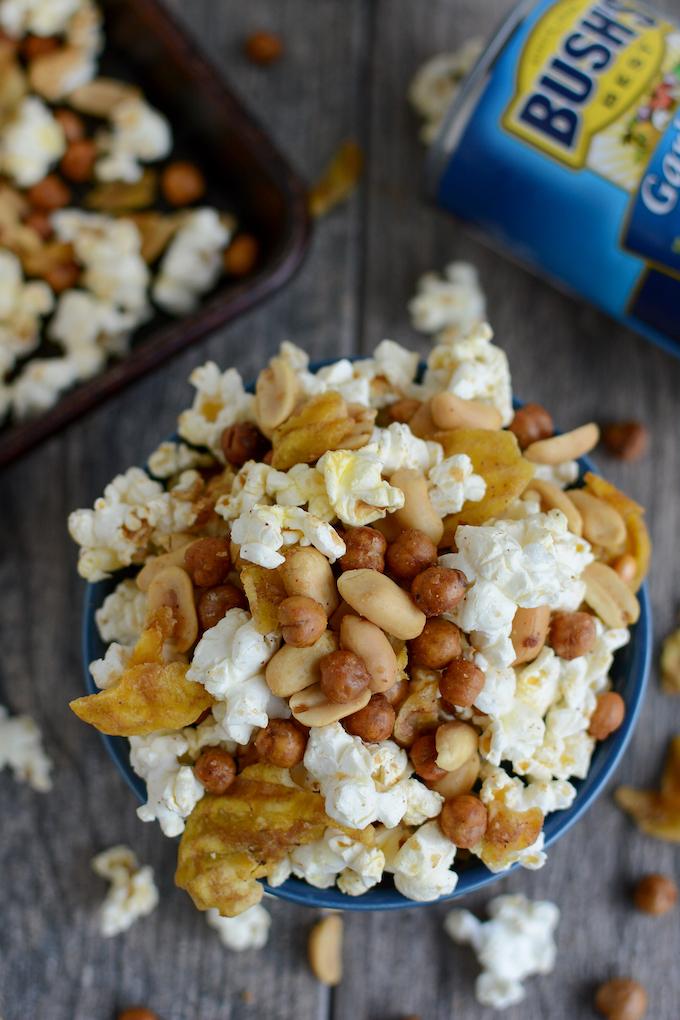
x: 232, y: 840
x: 657, y: 812
x: 322, y: 423
x: 156, y: 231
x: 149, y: 694
x: 265, y: 591
x: 507, y: 833
x: 638, y: 543
x: 497, y: 458
x: 121, y: 196
x: 419, y: 712
x: 338, y: 180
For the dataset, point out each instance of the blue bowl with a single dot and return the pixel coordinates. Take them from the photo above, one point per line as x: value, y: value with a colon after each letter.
x: 629, y: 675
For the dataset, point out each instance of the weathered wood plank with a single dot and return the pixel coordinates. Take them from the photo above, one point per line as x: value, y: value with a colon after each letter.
x: 582, y: 366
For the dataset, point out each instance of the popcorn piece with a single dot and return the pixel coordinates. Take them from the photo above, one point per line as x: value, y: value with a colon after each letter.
x: 355, y: 487
x: 517, y: 942
x: 124, y: 523
x: 229, y: 661
x: 531, y: 562
x: 172, y: 789
x: 302, y: 485
x: 562, y: 475
x: 250, y: 488
x: 454, y: 483
x: 353, y: 779
x: 396, y: 447
x: 21, y: 307
x: 249, y: 930
x: 31, y: 142
x: 122, y: 614
x: 21, y: 750
x: 192, y: 262
x: 139, y: 134
x: 39, y: 17
x: 455, y: 302
x: 133, y: 893
x: 471, y: 367
x: 421, y: 803
x: 220, y: 401
x: 171, y: 458
x: 422, y: 865
x: 437, y: 82
x: 336, y: 857
x: 110, y: 251
x: 89, y: 328
x: 39, y: 384
x: 391, y: 372
x: 263, y: 530
x: 547, y: 795
x: 106, y: 671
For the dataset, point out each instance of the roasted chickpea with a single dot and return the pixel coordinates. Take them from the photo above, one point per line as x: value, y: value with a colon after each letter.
x: 621, y: 999
x: 410, y: 554
x: 302, y: 621
x: 34, y: 46
x: 62, y: 276
x: 403, y: 410
x: 374, y: 722
x: 49, y: 193
x: 423, y: 754
x: 343, y: 676
x: 282, y: 743
x: 207, y: 561
x: 216, y: 769
x: 243, y: 442
x: 655, y: 894
x: 365, y: 549
x: 463, y: 820
x: 627, y: 440
x: 182, y: 183
x: 531, y: 423
x: 263, y: 47
x: 438, y: 590
x: 215, y: 603
x: 572, y: 634
x: 461, y: 683
x: 77, y: 163
x: 40, y: 222
x: 71, y: 124
x: 437, y: 645
x: 240, y: 258
x: 609, y: 713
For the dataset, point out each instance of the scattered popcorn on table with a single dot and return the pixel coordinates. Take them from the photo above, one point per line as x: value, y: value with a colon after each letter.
x: 309, y: 744
x: 515, y: 943
x: 249, y: 930
x: 437, y: 82
x: 133, y: 893
x: 21, y: 750
x: 455, y: 302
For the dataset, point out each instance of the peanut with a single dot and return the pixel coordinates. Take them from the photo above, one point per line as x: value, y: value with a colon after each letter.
x: 553, y: 498
x: 369, y: 642
x: 308, y: 572
x: 172, y: 587
x: 325, y: 950
x: 154, y: 565
x: 422, y: 423
x: 608, y: 716
x: 403, y: 410
x: 529, y: 633
x: 626, y: 567
x: 603, y: 525
x: 568, y: 446
x: 381, y: 601
x: 452, y: 412
x: 292, y: 669
x: 452, y: 784
x: 531, y: 423
x: 609, y: 596
x: 302, y: 620
x: 276, y: 393
x: 417, y: 512
x: 311, y: 707
x: 456, y: 742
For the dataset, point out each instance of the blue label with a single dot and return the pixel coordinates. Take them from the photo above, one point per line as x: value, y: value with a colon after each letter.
x: 654, y: 223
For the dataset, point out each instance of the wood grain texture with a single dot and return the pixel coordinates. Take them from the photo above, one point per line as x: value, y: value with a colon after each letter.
x: 347, y: 66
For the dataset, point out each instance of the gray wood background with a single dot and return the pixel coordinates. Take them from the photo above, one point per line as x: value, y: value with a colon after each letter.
x: 345, y: 74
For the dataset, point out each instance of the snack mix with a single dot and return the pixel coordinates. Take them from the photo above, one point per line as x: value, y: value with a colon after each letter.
x: 88, y: 253
x: 366, y: 621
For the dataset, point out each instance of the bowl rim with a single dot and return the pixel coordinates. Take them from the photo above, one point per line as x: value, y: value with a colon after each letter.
x: 605, y: 759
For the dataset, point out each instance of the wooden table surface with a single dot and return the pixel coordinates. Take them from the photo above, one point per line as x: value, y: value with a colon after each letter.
x: 345, y: 74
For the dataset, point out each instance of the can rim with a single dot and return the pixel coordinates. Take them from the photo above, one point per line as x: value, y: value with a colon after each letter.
x: 462, y: 107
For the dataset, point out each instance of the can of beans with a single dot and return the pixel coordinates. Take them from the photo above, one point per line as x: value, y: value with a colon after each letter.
x: 563, y: 149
